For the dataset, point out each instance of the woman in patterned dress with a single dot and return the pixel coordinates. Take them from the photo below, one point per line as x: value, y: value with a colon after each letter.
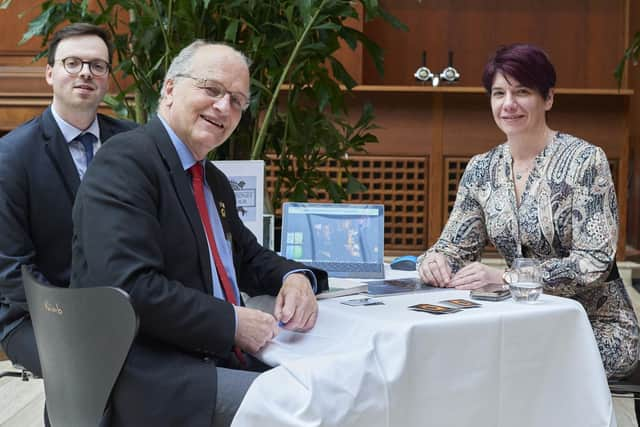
x: 541, y: 194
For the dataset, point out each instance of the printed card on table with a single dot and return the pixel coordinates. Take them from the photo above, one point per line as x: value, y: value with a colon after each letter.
x: 247, y: 181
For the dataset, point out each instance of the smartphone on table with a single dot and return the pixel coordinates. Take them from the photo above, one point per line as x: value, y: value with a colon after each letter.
x: 490, y: 293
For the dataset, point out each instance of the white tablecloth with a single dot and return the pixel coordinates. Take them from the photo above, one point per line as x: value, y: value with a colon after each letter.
x: 502, y: 365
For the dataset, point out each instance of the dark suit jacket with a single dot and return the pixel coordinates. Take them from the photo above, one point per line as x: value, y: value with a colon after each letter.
x: 38, y: 183
x: 136, y: 226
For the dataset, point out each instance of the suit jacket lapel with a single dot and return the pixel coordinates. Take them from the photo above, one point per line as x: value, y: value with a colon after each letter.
x: 221, y: 204
x: 106, y: 130
x: 182, y: 187
x: 57, y: 149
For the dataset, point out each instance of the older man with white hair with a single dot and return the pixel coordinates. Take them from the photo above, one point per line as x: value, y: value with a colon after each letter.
x: 156, y: 219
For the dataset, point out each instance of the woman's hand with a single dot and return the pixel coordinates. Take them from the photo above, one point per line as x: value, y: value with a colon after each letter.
x: 476, y: 275
x: 435, y: 270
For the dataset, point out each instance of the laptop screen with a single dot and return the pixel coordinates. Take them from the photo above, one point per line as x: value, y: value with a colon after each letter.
x: 339, y: 233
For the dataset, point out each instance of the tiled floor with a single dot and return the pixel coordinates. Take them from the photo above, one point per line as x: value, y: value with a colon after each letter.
x: 21, y: 403
x: 625, y: 414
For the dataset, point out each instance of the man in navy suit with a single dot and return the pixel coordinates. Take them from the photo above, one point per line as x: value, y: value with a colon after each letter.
x: 41, y: 165
x: 153, y: 217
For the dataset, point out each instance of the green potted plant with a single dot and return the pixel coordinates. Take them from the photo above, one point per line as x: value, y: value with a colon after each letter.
x: 298, y: 111
x: 632, y: 54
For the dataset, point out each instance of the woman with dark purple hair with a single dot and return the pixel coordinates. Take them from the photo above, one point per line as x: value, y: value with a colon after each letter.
x: 541, y: 194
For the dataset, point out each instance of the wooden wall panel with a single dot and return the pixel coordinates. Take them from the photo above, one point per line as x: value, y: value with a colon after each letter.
x: 468, y: 125
x: 11, y: 29
x: 18, y: 72
x: 583, y: 37
x: 23, y: 80
x: 633, y: 73
x: 600, y: 120
x: 633, y: 212
x: 16, y: 109
x: 405, y: 121
x: 454, y: 167
x: 400, y: 183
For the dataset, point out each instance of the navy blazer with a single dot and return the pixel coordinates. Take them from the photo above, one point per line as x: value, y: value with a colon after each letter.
x: 136, y: 226
x: 38, y: 183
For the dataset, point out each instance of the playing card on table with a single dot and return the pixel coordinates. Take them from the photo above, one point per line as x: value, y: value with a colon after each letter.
x: 433, y: 308
x: 461, y: 303
x: 362, y: 301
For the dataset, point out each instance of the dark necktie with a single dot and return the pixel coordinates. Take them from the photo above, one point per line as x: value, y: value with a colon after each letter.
x: 227, y: 287
x: 87, y: 139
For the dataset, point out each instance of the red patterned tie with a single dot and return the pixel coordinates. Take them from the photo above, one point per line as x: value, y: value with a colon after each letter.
x: 198, y: 192
x: 227, y: 287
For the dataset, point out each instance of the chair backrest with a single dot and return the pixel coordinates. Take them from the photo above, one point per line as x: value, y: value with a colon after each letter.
x: 83, y: 337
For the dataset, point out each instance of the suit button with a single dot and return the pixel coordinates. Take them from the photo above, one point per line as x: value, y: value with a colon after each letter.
x: 206, y: 359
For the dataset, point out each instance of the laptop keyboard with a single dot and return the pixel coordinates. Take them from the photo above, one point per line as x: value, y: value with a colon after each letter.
x: 347, y: 267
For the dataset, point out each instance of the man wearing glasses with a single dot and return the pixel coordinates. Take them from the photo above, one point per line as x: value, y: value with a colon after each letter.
x: 184, y: 254
x: 41, y: 165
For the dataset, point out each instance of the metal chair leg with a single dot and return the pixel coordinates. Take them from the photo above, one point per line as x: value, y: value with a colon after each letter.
x: 11, y: 374
x: 18, y: 373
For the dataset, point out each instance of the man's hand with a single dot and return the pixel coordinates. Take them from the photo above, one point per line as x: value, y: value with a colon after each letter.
x: 476, y: 275
x: 254, y: 329
x: 296, y: 305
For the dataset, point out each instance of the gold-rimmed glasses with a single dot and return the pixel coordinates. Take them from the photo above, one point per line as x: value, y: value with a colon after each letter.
x: 216, y: 91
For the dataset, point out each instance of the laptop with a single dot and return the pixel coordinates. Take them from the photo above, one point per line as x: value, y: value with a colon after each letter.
x: 345, y: 240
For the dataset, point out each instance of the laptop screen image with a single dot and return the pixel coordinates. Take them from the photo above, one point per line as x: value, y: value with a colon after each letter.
x: 346, y: 240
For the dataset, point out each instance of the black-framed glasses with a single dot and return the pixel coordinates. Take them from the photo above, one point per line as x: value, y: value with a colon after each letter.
x: 216, y: 91
x: 73, y: 65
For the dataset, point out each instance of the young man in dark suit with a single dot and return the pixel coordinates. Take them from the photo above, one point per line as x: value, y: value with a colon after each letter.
x: 41, y: 165
x: 156, y: 219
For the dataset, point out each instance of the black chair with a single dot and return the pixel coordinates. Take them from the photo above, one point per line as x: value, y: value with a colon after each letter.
x: 83, y: 338
x: 628, y: 388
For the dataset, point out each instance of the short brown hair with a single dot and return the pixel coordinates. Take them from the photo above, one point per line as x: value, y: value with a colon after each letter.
x: 78, y: 29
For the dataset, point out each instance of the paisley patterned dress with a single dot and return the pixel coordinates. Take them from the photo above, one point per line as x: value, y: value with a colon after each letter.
x: 567, y: 218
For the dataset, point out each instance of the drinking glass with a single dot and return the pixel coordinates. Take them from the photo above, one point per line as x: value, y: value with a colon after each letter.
x: 525, y: 280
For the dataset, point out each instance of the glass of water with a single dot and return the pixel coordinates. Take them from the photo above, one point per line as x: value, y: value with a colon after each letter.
x: 525, y: 280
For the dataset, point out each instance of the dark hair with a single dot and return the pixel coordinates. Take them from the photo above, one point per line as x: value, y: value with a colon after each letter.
x: 526, y: 63
x: 74, y: 30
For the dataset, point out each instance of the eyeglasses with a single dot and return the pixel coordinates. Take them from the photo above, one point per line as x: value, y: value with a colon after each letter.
x: 216, y: 91
x: 74, y: 65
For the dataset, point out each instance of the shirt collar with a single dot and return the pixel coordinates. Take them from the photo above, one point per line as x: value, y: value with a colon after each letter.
x: 71, y: 132
x: 186, y: 157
